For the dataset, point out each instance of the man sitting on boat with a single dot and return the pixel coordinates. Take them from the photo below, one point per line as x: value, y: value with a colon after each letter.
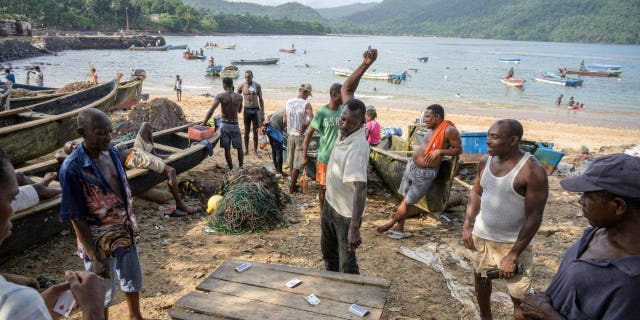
x: 441, y: 139
x: 510, y: 74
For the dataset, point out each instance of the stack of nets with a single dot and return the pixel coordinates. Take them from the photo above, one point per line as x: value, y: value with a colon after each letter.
x: 161, y: 113
x: 251, y: 203
x: 75, y: 86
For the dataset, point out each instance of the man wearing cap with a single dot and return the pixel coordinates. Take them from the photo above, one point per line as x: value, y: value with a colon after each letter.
x: 503, y: 214
x: 599, y: 277
x: 297, y: 116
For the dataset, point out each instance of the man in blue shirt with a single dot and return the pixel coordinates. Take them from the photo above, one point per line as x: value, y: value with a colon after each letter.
x: 10, y: 76
x: 599, y: 277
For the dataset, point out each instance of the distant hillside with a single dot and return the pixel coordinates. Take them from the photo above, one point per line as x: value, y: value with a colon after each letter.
x: 343, y: 11
x: 606, y: 21
x: 291, y: 10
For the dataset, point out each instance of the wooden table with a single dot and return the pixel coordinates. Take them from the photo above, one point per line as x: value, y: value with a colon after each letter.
x: 260, y: 293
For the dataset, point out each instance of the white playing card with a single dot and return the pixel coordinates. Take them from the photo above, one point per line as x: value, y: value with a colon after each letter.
x: 65, y: 304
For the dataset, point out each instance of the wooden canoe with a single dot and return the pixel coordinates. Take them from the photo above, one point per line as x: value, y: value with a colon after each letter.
x: 513, y: 82
x: 27, y: 86
x: 256, y: 61
x: 288, y: 50
x: 390, y: 158
x: 553, y: 78
x: 367, y: 75
x: 128, y: 90
x: 30, y: 132
x: 594, y: 73
x: 44, y: 217
x: 39, y: 97
x: 229, y: 72
x: 160, y: 48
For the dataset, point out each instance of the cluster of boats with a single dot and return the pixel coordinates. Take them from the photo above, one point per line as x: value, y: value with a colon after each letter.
x: 30, y: 131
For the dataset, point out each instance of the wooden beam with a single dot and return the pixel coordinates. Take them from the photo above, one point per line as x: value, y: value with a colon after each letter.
x: 167, y: 148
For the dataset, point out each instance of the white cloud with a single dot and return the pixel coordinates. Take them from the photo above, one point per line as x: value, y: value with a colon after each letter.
x: 311, y: 3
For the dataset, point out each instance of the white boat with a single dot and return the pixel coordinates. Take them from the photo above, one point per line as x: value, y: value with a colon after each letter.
x: 343, y: 72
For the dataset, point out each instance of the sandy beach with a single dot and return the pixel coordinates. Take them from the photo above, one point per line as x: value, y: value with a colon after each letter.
x: 176, y: 254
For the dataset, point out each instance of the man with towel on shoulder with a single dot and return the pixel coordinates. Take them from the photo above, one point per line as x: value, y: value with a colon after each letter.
x: 441, y: 139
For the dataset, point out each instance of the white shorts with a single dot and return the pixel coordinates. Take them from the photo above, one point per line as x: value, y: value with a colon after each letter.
x: 27, y: 197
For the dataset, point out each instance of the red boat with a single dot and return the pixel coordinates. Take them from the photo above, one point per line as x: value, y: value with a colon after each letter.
x: 513, y: 82
x: 288, y: 50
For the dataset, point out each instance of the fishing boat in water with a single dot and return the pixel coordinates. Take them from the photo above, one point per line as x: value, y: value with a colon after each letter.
x: 214, y: 70
x: 183, y: 155
x: 159, y: 48
x: 190, y: 56
x: 33, y: 131
x: 230, y: 72
x: 513, y: 82
x: 256, y: 61
x: 288, y: 50
x: 592, y: 72
x: 509, y: 60
x: 556, y: 79
x: 599, y: 66
x: 386, y: 76
x: 176, y: 47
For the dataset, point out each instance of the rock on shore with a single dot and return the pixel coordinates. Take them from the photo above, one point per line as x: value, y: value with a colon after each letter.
x: 22, y: 48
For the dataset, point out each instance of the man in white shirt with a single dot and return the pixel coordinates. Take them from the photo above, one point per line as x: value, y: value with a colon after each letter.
x: 297, y: 116
x: 347, y: 180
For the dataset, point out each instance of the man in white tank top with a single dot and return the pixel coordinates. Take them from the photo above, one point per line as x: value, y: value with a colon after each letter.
x: 503, y: 214
x: 297, y: 117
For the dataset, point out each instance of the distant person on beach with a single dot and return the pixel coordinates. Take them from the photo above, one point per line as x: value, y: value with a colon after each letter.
x: 327, y: 122
x: 37, y: 75
x: 97, y: 200
x: 571, y: 102
x: 441, y: 139
x: 297, y: 116
x: 559, y: 100
x: 598, y: 276
x: 510, y: 73
x: 277, y: 139
x: 253, y: 110
x: 94, y: 76
x: 23, y: 303
x: 504, y: 212
x: 178, y: 87
x: 372, y: 128
x: 229, y: 129
x: 346, y: 195
x: 9, y: 75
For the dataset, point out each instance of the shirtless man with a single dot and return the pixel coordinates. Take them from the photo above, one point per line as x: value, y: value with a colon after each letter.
x: 229, y: 128
x: 253, y: 109
x: 423, y: 168
x: 503, y: 214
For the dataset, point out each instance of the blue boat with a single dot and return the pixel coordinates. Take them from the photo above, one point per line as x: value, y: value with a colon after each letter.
x: 178, y: 47
x: 509, y: 60
x: 554, y: 78
x: 214, y: 70
x: 599, y: 66
x: 27, y: 87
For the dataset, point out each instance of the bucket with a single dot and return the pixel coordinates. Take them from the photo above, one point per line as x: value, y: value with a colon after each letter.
x: 474, y: 146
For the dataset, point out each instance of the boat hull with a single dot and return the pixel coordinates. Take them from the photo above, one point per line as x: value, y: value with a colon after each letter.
x: 595, y: 73
x: 386, y: 76
x: 256, y: 61
x: 556, y: 80
x: 288, y: 50
x: 30, y: 132
x: 177, y: 47
x: 161, y: 48
x: 45, y: 216
x: 128, y: 91
x: 513, y: 83
x: 509, y: 60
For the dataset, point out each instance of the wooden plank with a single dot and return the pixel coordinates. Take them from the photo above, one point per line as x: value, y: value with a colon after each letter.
x: 167, y: 148
x: 186, y: 315
x: 294, y: 300
x: 346, y: 277
x: 35, y: 115
x: 182, y: 134
x: 230, y: 307
x: 324, y: 288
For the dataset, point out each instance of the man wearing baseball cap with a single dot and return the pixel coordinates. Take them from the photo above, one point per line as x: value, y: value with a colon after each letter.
x: 599, y: 277
x: 297, y: 117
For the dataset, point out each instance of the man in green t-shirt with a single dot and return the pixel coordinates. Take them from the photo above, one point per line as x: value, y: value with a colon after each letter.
x: 326, y: 121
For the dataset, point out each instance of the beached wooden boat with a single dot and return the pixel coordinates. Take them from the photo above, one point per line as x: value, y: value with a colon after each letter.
x: 128, y: 90
x: 26, y: 86
x: 39, y: 97
x: 288, y: 50
x: 509, y: 60
x: 44, y: 217
x: 36, y: 130
x: 513, y: 82
x: 553, y: 78
x: 593, y: 73
x: 176, y: 47
x: 160, y: 48
x: 230, y: 72
x: 5, y: 93
x: 390, y: 158
x: 256, y: 61
x: 343, y: 72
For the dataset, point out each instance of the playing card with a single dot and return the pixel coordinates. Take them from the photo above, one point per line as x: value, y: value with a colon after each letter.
x: 65, y: 304
x: 293, y: 282
x: 313, y: 300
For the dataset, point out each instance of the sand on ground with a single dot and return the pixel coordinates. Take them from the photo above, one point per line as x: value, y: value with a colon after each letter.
x: 176, y: 254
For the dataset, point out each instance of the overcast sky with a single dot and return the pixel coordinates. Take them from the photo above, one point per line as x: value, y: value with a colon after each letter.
x: 311, y: 3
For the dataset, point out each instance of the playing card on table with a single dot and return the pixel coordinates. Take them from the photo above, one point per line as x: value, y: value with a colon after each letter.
x: 65, y: 304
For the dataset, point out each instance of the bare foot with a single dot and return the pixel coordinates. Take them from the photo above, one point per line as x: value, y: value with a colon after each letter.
x: 45, y: 192
x: 48, y: 177
x: 385, y: 227
x: 182, y: 206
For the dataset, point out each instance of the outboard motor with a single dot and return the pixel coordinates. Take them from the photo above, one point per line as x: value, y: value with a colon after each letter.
x: 138, y: 73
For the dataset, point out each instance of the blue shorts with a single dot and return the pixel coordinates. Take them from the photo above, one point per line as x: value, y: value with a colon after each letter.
x: 126, y: 268
x: 230, y: 135
x: 416, y: 182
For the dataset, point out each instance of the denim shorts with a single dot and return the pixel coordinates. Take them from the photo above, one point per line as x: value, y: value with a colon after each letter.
x: 416, y: 182
x: 126, y: 268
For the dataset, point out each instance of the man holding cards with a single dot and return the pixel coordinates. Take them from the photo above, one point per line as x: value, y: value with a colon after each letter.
x: 96, y: 199
x: 23, y: 303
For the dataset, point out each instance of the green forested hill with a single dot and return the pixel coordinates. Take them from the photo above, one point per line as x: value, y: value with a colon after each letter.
x: 607, y: 21
x: 291, y: 10
x: 343, y: 11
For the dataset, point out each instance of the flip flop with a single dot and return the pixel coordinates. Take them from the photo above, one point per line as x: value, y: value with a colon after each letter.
x: 399, y: 234
x: 177, y: 213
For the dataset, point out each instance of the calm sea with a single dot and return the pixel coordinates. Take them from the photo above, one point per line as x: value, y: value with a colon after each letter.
x: 463, y: 71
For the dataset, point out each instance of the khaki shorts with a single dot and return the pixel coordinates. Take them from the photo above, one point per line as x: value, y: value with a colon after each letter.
x: 488, y: 255
x: 295, y: 151
x: 144, y: 160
